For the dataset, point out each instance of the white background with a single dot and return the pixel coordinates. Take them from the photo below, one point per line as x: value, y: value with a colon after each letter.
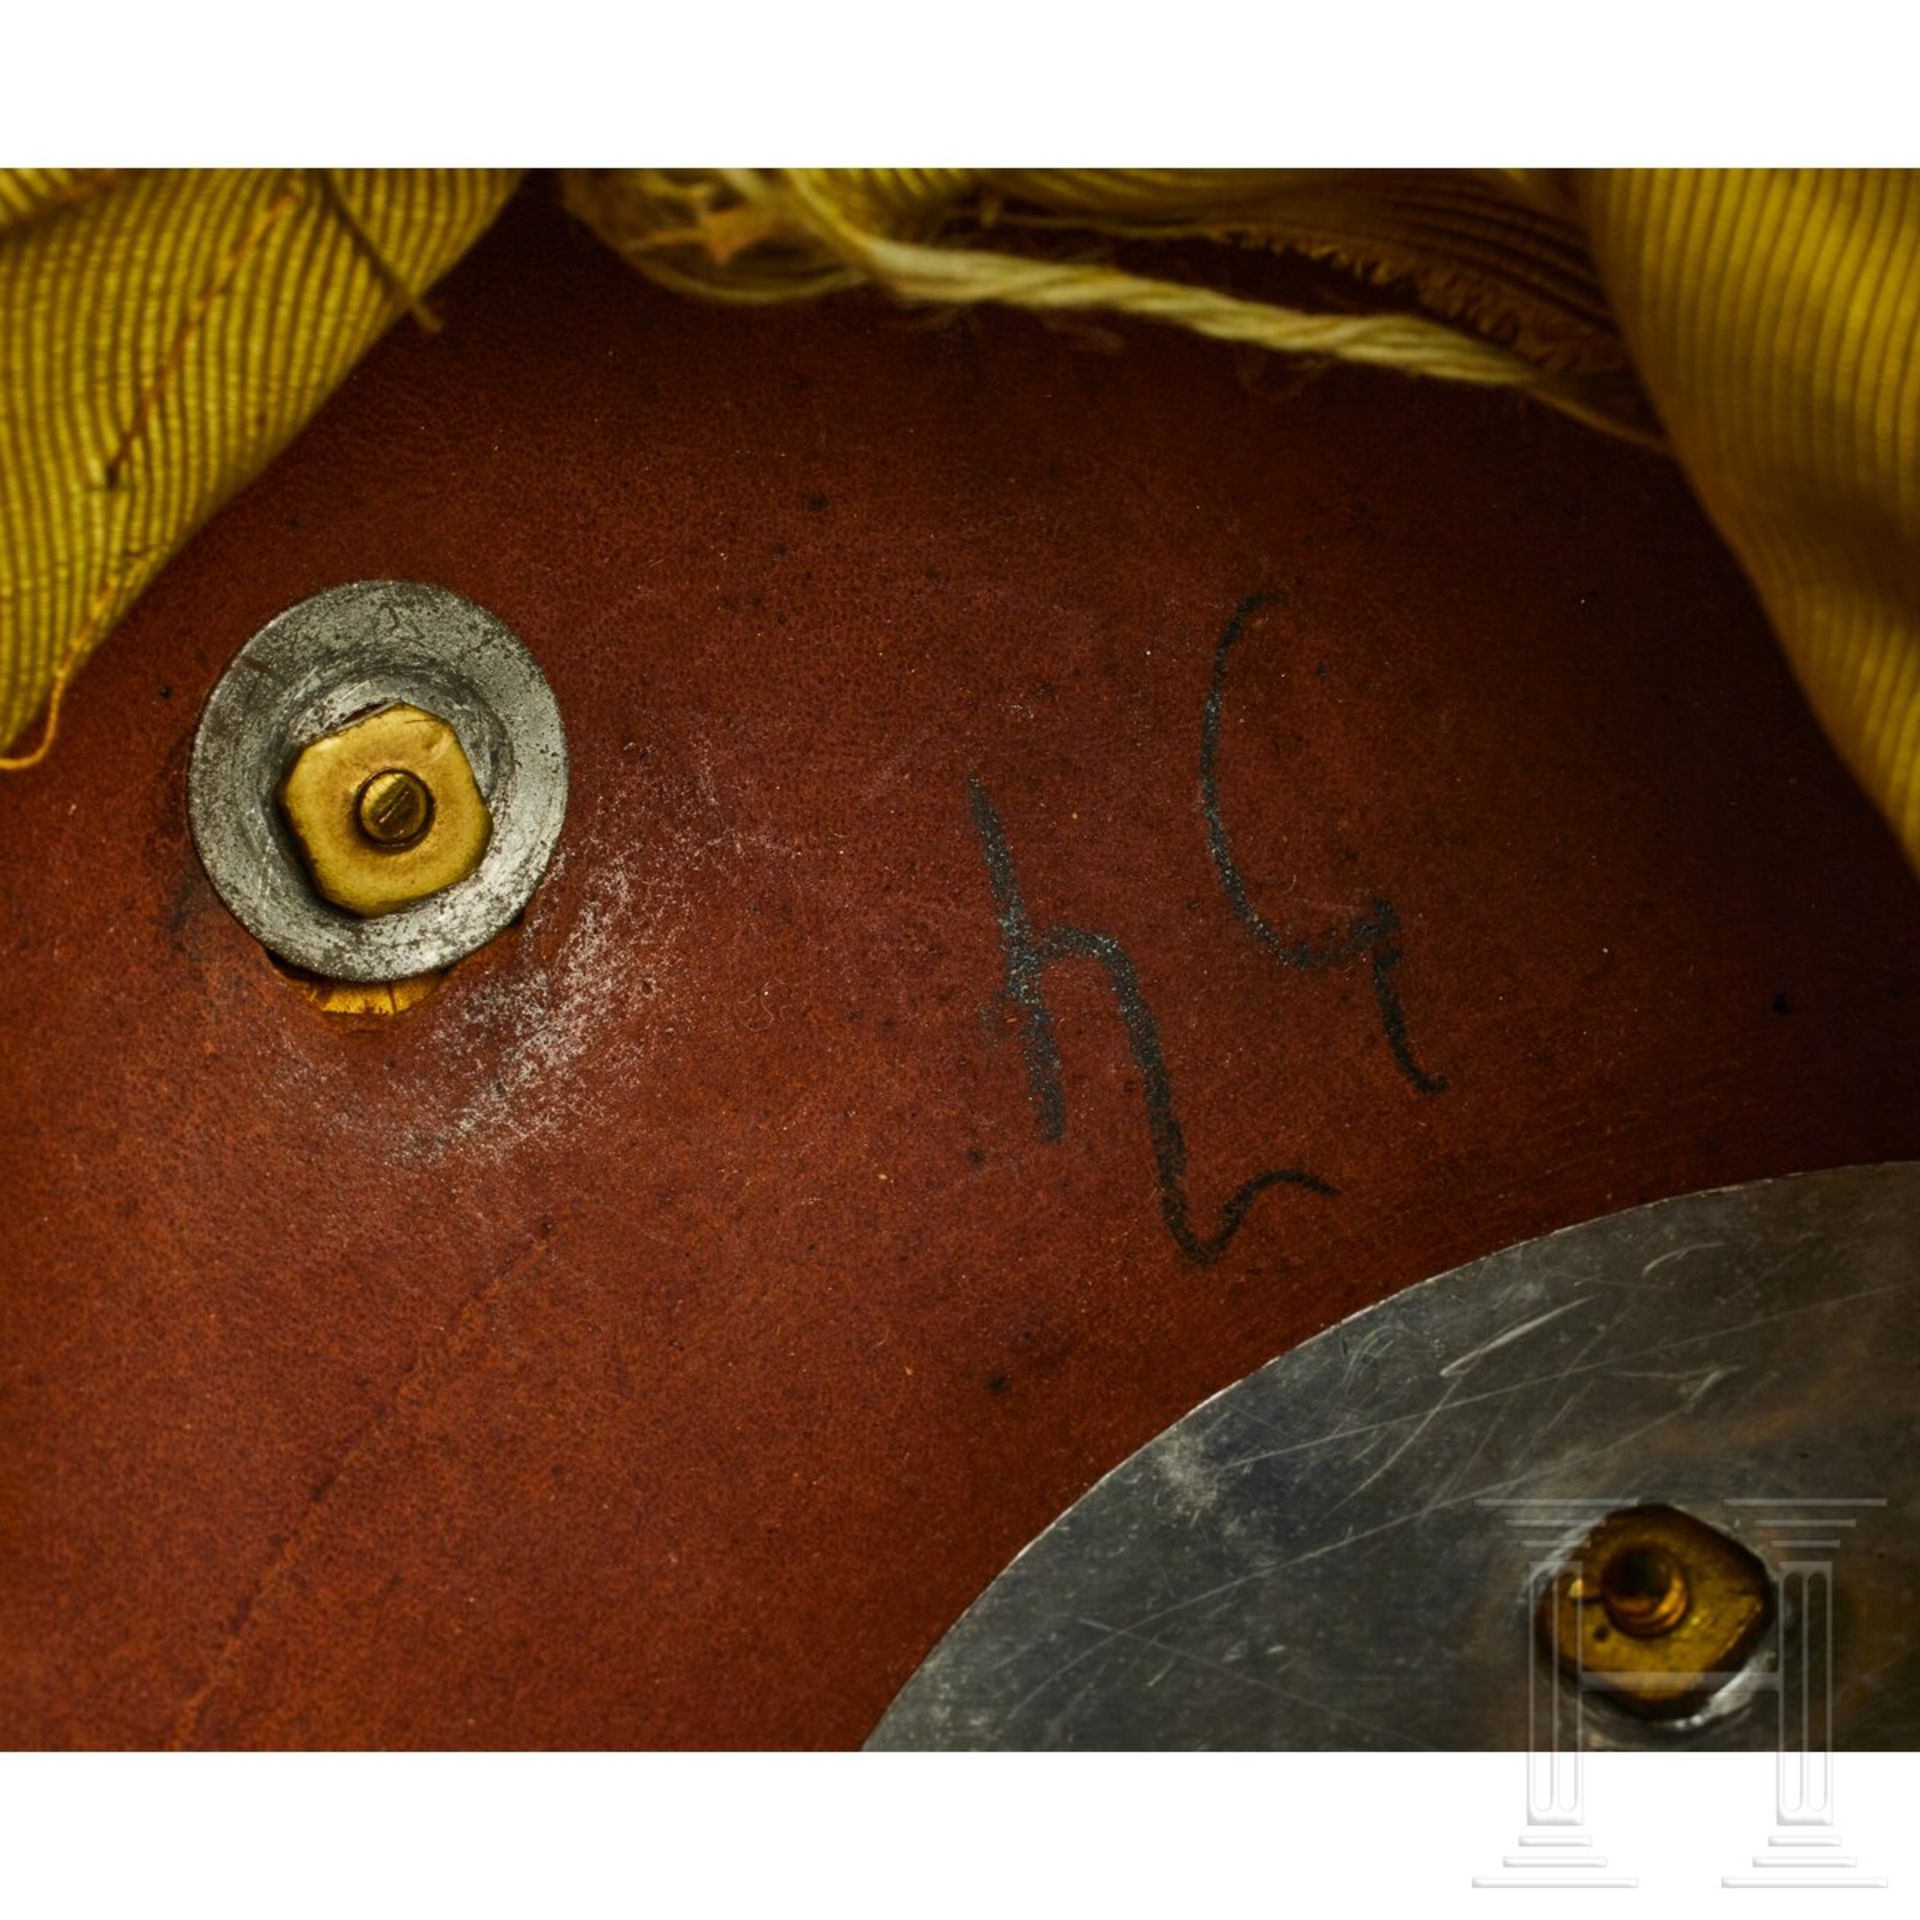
x: 921, y: 1837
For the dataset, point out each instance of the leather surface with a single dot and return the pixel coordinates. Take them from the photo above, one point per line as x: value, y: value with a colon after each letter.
x: 660, y: 1334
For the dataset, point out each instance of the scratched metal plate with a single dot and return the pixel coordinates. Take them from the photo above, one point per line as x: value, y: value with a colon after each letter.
x: 1334, y: 1553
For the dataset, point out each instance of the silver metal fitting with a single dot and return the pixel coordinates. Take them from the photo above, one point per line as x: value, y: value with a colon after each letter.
x: 348, y: 653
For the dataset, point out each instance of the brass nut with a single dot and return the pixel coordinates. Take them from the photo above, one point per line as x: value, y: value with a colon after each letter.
x: 386, y: 811
x: 1657, y: 1609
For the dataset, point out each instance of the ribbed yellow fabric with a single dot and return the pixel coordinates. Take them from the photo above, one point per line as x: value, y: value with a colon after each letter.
x: 162, y: 336
x: 27, y: 191
x: 1774, y: 318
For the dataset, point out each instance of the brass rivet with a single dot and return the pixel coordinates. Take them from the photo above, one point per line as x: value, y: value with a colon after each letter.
x: 395, y: 808
x: 1657, y: 1609
x: 1644, y: 1590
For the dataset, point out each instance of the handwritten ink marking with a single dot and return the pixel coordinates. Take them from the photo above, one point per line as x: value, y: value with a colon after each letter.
x: 1029, y: 953
x: 1373, y: 933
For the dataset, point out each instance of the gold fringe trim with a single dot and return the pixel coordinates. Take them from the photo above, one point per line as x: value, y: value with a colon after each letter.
x: 1509, y: 295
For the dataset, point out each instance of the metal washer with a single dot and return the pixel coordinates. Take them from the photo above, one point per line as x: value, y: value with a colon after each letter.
x: 310, y: 670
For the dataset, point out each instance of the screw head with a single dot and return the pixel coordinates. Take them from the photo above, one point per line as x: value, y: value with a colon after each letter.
x: 395, y: 808
x: 386, y: 810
